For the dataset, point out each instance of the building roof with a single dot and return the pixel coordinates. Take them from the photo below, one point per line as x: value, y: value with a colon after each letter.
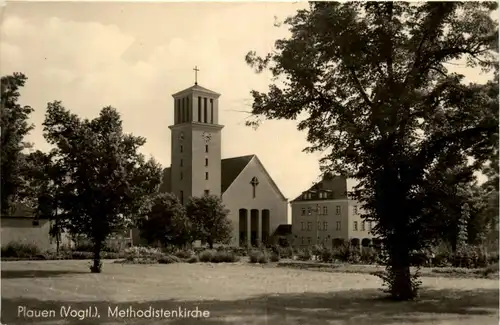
x: 196, y: 87
x: 335, y: 188
x: 230, y: 169
x: 283, y: 230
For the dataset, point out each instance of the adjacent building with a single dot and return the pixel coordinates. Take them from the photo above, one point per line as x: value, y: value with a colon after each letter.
x: 324, y: 215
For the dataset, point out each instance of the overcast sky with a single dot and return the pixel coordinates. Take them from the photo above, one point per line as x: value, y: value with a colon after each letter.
x: 134, y: 56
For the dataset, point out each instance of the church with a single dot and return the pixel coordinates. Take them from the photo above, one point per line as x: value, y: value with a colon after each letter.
x: 256, y: 204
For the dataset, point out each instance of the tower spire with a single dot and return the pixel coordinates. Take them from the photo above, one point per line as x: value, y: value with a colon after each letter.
x: 196, y: 75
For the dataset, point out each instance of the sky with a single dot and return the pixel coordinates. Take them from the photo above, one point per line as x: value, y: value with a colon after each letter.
x: 133, y: 56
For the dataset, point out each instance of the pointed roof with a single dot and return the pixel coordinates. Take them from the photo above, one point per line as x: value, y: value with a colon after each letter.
x: 231, y: 168
x: 334, y: 185
x: 196, y: 88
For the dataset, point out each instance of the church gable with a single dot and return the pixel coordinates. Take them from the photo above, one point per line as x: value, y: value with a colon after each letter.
x: 261, y: 175
x: 231, y: 168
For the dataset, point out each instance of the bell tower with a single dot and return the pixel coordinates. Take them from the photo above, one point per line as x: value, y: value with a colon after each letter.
x: 196, y: 143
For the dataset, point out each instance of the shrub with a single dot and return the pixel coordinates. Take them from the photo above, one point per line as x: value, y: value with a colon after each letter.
x: 143, y: 252
x: 193, y: 259
x: 207, y: 255
x: 169, y: 259
x: 184, y: 253
x: 19, y: 249
x: 326, y: 255
x: 304, y: 255
x: 368, y: 255
x: 257, y: 256
x: 275, y: 257
x: 225, y: 257
x: 286, y: 252
x: 82, y: 255
x: 347, y: 253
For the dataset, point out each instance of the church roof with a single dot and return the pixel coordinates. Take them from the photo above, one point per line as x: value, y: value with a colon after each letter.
x: 196, y: 87
x: 230, y: 169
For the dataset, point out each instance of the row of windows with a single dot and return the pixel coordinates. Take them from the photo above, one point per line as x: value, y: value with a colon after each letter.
x: 181, y: 175
x: 324, y: 210
x: 181, y: 148
x: 324, y: 226
x: 184, y: 108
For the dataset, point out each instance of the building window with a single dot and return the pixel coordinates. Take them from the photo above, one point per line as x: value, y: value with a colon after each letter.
x: 369, y: 226
x: 338, y: 225
x: 211, y: 111
x: 325, y: 211
x: 302, y: 239
x: 319, y: 225
x: 206, y: 175
x: 302, y: 226
x: 207, y: 192
x: 355, y: 209
x: 199, y: 109
x: 309, y: 226
x: 182, y: 197
x: 362, y: 226
x: 325, y: 225
x: 337, y: 210
x: 309, y: 211
x: 303, y: 211
x: 355, y: 226
x: 182, y: 175
x: 188, y: 110
x: 182, y: 162
x: 179, y: 109
x: 181, y: 148
x: 206, y: 148
x: 206, y: 161
x: 309, y: 240
x: 205, y: 113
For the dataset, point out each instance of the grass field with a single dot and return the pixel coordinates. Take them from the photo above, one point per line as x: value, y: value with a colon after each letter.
x: 234, y: 294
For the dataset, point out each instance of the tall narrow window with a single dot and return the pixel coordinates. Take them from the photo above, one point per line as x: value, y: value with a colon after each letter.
x: 181, y: 148
x: 178, y: 110
x: 205, y: 110
x: 199, y: 109
x: 206, y: 175
x: 183, y: 110
x: 182, y: 162
x: 355, y: 226
x: 363, y: 226
x: 182, y: 176
x: 337, y: 210
x: 182, y: 197
x: 188, y: 109
x: 206, y: 148
x: 206, y: 161
x: 211, y: 111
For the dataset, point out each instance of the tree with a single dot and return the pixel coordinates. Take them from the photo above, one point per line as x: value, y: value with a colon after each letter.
x: 165, y: 221
x: 370, y: 84
x: 15, y: 127
x: 46, y: 178
x: 107, y: 178
x: 208, y: 216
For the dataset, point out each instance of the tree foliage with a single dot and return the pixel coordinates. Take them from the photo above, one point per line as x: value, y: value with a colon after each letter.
x: 208, y: 216
x: 14, y: 127
x: 107, y: 178
x: 165, y: 221
x: 371, y: 84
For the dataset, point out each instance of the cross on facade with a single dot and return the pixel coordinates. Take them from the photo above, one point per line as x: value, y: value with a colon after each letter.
x: 196, y: 75
x: 254, y: 183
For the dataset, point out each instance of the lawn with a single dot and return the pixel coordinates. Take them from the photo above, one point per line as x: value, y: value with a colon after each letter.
x: 234, y: 294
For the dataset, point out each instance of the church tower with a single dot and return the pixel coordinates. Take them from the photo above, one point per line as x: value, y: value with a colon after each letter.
x: 196, y: 144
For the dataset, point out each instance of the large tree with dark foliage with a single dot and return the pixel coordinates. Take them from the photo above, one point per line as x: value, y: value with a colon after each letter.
x: 370, y: 82
x: 208, y: 216
x: 164, y: 220
x: 107, y: 178
x: 15, y: 127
